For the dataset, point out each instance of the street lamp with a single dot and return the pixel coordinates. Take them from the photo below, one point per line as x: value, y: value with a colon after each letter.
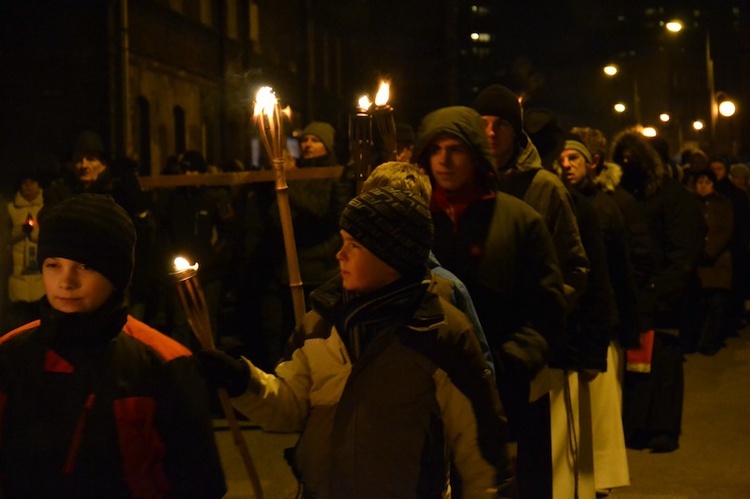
x: 664, y: 117
x: 611, y: 70
x: 620, y: 107
x: 727, y: 107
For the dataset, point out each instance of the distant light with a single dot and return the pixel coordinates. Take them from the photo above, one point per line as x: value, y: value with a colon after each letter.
x: 674, y: 26
x: 649, y: 131
x: 727, y: 108
x: 481, y: 37
x: 620, y: 107
x: 698, y: 125
x: 664, y: 117
x: 610, y: 70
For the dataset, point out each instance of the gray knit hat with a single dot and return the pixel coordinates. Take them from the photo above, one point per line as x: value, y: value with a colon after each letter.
x: 91, y: 229
x: 395, y: 225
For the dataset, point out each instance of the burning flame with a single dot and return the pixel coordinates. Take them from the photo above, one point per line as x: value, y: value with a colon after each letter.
x: 287, y: 111
x: 364, y: 103
x: 265, y: 102
x: 381, y: 99
x: 181, y: 264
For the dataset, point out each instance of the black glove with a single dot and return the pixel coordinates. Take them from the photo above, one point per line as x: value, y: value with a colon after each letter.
x: 223, y: 371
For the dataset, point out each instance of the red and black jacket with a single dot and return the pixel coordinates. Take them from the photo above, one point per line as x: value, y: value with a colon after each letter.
x: 118, y: 413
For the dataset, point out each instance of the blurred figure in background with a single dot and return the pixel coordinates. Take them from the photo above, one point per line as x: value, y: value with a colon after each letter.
x: 25, y: 284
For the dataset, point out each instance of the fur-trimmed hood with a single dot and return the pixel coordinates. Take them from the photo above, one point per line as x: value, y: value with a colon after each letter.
x: 644, y: 174
x: 609, y: 176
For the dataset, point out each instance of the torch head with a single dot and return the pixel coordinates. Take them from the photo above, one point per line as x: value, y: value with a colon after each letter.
x: 182, y: 270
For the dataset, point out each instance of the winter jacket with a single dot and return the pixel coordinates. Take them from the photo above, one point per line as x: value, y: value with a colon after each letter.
x: 25, y: 284
x: 675, y: 225
x: 546, y: 193
x: 715, y: 266
x: 641, y: 251
x: 627, y: 321
x: 591, y: 321
x: 385, y: 388
x: 501, y: 249
x: 101, y: 405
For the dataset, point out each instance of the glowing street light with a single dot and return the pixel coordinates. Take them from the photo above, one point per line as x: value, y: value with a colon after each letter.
x: 674, y: 26
x: 648, y: 131
x: 664, y: 117
x: 610, y: 70
x: 727, y: 108
x: 698, y: 125
x: 620, y: 107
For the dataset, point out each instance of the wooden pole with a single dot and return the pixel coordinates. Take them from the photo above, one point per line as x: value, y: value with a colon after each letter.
x: 194, y: 304
x: 290, y: 245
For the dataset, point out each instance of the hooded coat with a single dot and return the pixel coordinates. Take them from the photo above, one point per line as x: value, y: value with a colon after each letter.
x: 675, y: 227
x: 501, y: 249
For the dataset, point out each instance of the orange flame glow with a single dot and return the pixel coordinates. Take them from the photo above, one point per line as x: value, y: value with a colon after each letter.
x: 381, y: 99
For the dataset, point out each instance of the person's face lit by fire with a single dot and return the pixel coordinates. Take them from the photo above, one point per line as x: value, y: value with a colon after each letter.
x: 312, y: 147
x: 574, y: 166
x: 452, y: 164
x: 501, y: 136
x: 89, y: 168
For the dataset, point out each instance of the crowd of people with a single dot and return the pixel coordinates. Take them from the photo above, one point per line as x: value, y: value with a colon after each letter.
x: 500, y: 312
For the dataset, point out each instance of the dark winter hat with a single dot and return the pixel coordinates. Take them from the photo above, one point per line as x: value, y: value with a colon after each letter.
x: 395, y: 225
x: 88, y: 144
x: 497, y: 100
x: 323, y: 131
x: 91, y: 229
x: 545, y: 133
x: 193, y: 161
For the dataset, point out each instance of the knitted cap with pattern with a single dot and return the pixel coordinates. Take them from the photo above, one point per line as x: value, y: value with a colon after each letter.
x: 395, y: 225
x: 91, y: 229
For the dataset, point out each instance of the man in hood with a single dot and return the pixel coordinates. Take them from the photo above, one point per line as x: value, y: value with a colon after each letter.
x: 501, y: 249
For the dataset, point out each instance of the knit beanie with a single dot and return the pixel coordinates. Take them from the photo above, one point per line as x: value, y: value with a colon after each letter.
x: 89, y: 143
x: 576, y: 145
x: 323, y: 131
x: 91, y: 229
x: 497, y: 100
x: 395, y: 225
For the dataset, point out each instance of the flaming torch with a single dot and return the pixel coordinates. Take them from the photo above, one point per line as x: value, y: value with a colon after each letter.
x: 360, y: 140
x: 194, y: 304
x: 267, y: 115
x: 382, y: 115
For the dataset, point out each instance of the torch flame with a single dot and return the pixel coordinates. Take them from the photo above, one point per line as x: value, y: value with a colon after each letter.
x: 364, y: 103
x: 287, y: 111
x: 265, y: 102
x: 181, y: 264
x: 381, y: 99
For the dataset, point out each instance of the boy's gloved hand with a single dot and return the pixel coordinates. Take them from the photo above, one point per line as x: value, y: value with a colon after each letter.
x: 223, y: 371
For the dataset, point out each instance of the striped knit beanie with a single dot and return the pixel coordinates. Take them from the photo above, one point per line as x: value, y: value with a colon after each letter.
x: 91, y: 229
x: 395, y: 225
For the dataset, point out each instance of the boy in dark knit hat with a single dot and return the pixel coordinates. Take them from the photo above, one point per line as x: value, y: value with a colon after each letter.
x: 94, y: 403
x: 384, y: 379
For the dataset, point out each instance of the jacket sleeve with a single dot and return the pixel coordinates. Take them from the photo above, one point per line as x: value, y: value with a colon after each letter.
x: 544, y: 304
x: 474, y: 421
x: 560, y: 218
x: 313, y: 373
x: 191, y: 461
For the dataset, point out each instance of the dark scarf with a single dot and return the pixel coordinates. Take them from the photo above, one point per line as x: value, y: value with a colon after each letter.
x: 94, y: 329
x: 359, y: 318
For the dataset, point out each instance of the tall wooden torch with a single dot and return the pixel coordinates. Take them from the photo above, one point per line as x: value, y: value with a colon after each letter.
x: 194, y: 304
x: 385, y: 123
x: 267, y: 115
x: 360, y: 141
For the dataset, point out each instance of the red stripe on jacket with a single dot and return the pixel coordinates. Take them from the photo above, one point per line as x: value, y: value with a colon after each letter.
x: 165, y: 346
